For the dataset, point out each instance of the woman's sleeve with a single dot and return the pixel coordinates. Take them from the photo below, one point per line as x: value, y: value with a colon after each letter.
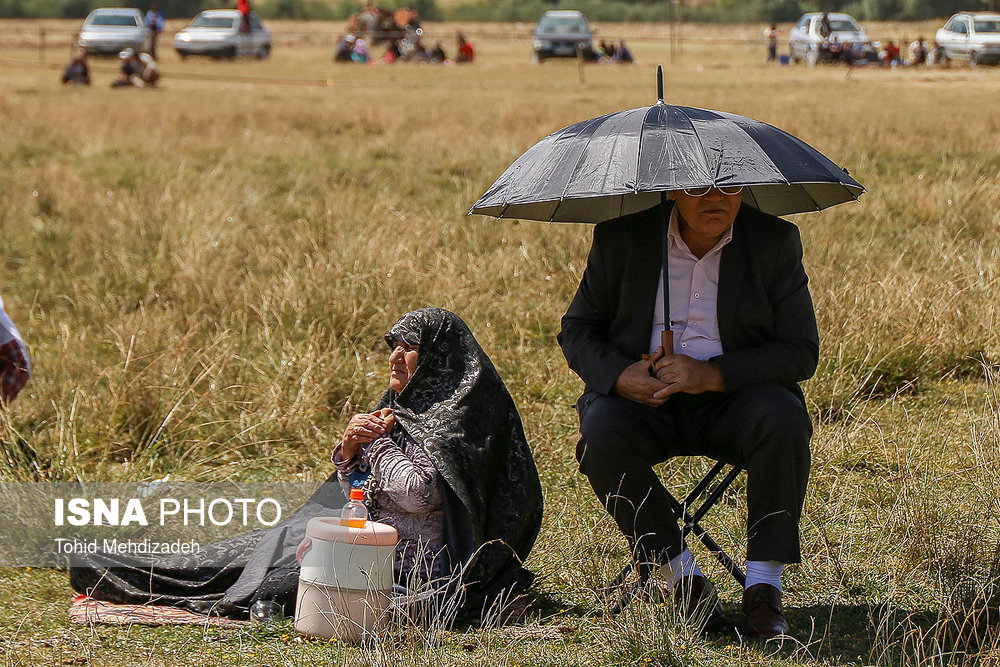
x: 14, y: 369
x: 344, y: 467
x: 411, y: 482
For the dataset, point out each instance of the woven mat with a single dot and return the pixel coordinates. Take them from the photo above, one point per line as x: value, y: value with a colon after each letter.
x: 88, y: 610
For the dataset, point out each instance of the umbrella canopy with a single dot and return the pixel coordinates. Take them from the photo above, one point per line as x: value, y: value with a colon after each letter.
x: 620, y: 163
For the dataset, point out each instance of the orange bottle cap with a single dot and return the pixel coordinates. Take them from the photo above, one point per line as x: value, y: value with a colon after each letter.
x: 357, y: 494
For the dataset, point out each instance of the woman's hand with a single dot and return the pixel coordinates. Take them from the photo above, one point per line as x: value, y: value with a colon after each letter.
x: 365, y: 427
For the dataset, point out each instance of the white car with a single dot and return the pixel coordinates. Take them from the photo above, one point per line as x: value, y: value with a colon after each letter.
x: 811, y: 36
x: 216, y: 32
x: 972, y: 36
x: 113, y: 29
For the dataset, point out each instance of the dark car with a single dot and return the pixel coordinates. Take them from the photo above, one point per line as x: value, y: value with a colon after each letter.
x: 562, y: 34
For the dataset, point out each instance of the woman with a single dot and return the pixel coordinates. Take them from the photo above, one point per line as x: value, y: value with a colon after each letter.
x: 443, y: 458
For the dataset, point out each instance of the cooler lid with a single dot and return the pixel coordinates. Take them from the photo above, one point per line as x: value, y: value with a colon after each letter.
x: 374, y: 534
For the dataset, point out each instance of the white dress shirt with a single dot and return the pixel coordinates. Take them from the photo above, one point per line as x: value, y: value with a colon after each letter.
x: 694, y: 290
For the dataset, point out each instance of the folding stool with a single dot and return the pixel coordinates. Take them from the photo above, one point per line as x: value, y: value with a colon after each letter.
x: 692, y: 525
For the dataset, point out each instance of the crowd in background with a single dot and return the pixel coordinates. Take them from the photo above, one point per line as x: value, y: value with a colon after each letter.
x: 137, y: 69
x: 887, y: 54
x: 407, y: 48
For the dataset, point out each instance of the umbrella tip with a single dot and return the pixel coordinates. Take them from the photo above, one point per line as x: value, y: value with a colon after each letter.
x: 659, y: 84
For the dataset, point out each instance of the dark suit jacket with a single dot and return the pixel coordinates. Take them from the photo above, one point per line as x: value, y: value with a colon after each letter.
x: 767, y: 324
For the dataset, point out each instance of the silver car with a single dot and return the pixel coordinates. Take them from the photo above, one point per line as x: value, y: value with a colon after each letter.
x: 112, y: 29
x: 972, y: 36
x: 811, y: 36
x: 218, y: 33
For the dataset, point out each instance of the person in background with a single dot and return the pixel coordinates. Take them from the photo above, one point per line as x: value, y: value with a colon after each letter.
x: 360, y: 53
x: 890, y: 54
x: 938, y: 56
x: 392, y: 53
x: 344, y: 50
x: 916, y: 54
x: 244, y: 8
x: 605, y: 51
x: 15, y: 365
x: 138, y: 69
x: 466, y: 54
x: 622, y: 53
x: 771, y: 35
x: 77, y: 73
x: 437, y: 53
x: 835, y: 50
x: 154, y: 21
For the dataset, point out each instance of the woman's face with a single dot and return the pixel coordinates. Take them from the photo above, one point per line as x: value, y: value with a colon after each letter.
x: 402, y: 364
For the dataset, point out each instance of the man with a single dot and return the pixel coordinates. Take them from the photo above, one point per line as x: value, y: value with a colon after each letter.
x: 138, y: 69
x: 917, y: 53
x: 771, y: 35
x: 15, y: 366
x: 154, y: 21
x: 243, y: 6
x: 744, y: 334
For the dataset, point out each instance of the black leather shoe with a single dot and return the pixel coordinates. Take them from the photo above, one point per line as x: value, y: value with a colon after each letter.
x: 765, y: 617
x: 697, y: 601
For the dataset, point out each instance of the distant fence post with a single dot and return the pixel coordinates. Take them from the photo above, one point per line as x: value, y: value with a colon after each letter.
x: 675, y: 47
x: 41, y: 44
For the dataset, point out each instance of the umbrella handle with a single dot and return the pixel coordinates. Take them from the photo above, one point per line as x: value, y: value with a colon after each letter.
x: 659, y: 84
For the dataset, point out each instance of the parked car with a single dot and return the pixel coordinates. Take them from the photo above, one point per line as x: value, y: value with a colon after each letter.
x: 216, y: 32
x: 562, y: 34
x: 972, y: 36
x: 810, y: 39
x: 112, y: 29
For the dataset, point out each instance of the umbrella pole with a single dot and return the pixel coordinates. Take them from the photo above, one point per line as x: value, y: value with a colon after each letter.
x: 667, y: 335
x: 659, y: 84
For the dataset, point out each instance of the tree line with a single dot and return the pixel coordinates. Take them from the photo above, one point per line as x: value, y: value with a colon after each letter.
x: 530, y: 10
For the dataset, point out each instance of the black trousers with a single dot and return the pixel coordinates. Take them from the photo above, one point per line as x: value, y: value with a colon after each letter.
x: 764, y: 429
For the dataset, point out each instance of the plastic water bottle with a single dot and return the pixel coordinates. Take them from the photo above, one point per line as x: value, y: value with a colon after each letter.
x: 265, y: 611
x: 354, y: 514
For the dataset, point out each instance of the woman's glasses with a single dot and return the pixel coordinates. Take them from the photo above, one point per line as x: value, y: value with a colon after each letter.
x: 728, y: 190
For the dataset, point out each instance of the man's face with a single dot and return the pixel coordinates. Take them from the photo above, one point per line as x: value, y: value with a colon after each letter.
x: 708, y: 216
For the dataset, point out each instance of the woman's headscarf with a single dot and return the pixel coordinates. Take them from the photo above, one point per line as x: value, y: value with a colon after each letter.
x: 456, y: 406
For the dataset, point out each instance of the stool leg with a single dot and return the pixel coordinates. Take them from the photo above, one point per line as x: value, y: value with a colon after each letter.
x: 691, y: 522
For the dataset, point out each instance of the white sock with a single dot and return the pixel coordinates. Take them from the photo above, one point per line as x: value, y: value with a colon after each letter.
x: 764, y: 572
x: 681, y: 566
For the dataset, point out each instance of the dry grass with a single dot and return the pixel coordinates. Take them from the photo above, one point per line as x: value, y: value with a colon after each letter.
x: 203, y: 272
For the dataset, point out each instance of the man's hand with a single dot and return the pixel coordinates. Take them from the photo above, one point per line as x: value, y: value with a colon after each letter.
x: 681, y: 373
x: 636, y: 384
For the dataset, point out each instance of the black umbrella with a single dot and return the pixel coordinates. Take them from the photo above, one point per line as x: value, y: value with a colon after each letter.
x: 622, y: 162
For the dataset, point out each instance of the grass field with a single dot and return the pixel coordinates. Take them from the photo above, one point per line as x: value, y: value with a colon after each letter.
x: 203, y: 272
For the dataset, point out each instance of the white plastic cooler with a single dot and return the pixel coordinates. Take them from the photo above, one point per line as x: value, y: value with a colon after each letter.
x: 345, y: 579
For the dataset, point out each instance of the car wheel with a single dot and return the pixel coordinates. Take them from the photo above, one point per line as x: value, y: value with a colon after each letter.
x: 974, y: 60
x: 230, y: 53
x: 264, y: 51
